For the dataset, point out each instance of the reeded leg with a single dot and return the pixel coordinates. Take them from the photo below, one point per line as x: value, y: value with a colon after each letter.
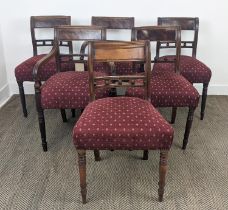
x: 63, y: 113
x: 73, y: 112
x: 97, y: 155
x: 188, y: 126
x: 204, y: 99
x: 82, y: 173
x: 22, y: 96
x: 145, y: 154
x: 40, y: 117
x: 174, y: 113
x: 162, y: 173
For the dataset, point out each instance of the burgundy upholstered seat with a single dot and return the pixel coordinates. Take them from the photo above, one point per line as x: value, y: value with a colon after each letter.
x: 126, y: 68
x: 23, y: 71
x: 170, y: 90
x: 192, y: 69
x: 122, y: 123
x: 68, y: 90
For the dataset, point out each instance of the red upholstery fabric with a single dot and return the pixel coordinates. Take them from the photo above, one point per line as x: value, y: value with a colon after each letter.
x: 192, y: 69
x: 122, y: 123
x: 126, y: 68
x: 24, y: 71
x: 68, y: 90
x: 169, y: 91
x: 100, y: 67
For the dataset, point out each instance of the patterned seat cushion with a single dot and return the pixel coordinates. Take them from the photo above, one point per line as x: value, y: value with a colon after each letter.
x: 192, y: 69
x: 169, y: 91
x: 24, y: 71
x: 126, y: 68
x: 122, y: 123
x: 66, y: 90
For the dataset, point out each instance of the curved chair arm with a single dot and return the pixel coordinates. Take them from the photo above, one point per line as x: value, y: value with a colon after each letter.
x: 43, y: 61
x: 82, y: 50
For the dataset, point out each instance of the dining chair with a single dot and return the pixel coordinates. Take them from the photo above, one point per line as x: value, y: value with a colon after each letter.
x: 169, y: 89
x: 23, y: 72
x: 68, y: 89
x: 191, y: 68
x: 121, y: 123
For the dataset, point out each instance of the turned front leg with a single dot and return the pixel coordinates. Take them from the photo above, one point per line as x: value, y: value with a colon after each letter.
x: 82, y: 173
x: 162, y: 173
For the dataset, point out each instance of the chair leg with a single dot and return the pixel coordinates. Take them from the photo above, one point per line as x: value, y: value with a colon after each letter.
x: 145, y: 154
x: 22, y: 96
x: 188, y: 126
x: 63, y: 113
x: 73, y: 112
x: 174, y: 113
x: 97, y: 155
x: 204, y: 98
x: 82, y: 173
x: 162, y: 173
x: 41, y: 118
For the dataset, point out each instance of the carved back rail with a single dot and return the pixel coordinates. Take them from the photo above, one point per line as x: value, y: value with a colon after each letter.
x: 119, y: 51
x: 41, y: 22
x: 186, y: 23
x: 160, y: 34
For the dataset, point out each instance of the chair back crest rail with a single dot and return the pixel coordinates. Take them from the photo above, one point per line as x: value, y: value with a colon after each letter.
x: 186, y: 23
x: 114, y: 22
x: 162, y: 35
x: 44, y: 22
x: 119, y: 51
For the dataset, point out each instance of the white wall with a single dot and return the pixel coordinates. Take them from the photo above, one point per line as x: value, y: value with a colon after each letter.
x: 4, y: 87
x: 213, y: 15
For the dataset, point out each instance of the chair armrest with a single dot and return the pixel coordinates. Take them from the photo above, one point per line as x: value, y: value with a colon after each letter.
x: 43, y: 61
x: 82, y: 50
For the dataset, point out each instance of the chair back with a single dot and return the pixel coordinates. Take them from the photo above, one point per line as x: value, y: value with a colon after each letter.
x: 167, y: 36
x: 47, y: 22
x: 186, y: 23
x: 119, y: 51
x: 65, y: 34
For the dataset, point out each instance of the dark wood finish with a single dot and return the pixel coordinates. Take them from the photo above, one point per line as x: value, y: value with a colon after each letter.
x: 204, y: 99
x: 22, y: 97
x: 188, y: 126
x: 82, y: 173
x: 186, y: 23
x: 119, y: 51
x: 97, y: 155
x: 42, y: 22
x: 40, y: 115
x: 174, y: 113
x: 114, y: 22
x: 145, y: 155
x: 63, y: 114
x: 73, y: 113
x: 160, y: 34
x: 63, y: 34
x: 162, y: 173
x: 47, y: 22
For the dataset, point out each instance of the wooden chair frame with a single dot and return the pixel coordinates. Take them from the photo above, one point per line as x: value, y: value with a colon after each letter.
x: 167, y: 35
x: 63, y: 34
x: 42, y: 22
x: 112, y: 51
x: 189, y: 24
